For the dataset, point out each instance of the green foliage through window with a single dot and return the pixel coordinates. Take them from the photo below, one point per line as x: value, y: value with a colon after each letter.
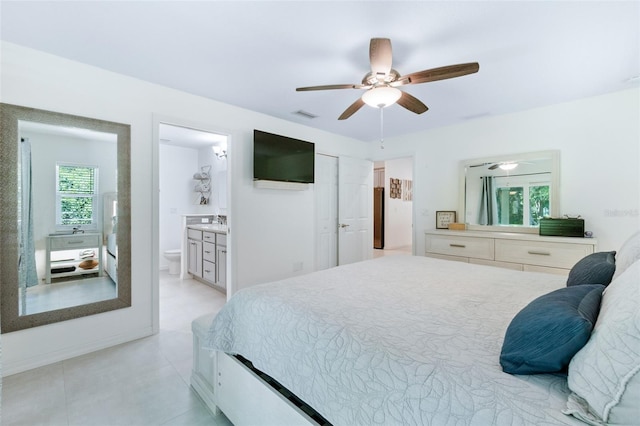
x: 76, y: 194
x: 511, y: 202
x: 538, y: 203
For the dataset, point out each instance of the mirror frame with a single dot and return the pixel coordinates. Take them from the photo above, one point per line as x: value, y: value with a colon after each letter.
x: 554, y: 155
x: 10, y: 115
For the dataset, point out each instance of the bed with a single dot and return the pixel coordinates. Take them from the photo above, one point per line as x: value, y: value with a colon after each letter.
x: 404, y: 340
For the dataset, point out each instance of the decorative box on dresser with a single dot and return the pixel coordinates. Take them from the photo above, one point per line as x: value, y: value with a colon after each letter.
x: 524, y: 252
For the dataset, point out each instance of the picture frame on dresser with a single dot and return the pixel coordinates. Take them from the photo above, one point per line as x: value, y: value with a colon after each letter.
x: 444, y: 218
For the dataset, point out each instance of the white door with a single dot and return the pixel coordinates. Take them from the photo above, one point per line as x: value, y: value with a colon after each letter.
x: 326, y: 189
x: 355, y: 210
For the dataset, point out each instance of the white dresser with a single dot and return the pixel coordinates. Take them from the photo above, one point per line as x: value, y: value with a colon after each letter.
x: 524, y: 252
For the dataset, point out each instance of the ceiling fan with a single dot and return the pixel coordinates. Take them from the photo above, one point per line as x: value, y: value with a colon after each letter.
x: 382, y: 82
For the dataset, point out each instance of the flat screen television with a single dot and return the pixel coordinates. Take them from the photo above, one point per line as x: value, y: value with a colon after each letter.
x: 281, y: 158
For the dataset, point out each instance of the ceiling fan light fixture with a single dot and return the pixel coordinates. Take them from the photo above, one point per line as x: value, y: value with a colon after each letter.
x: 508, y: 166
x: 381, y: 97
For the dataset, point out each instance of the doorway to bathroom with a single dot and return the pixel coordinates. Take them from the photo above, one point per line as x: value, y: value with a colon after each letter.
x: 192, y: 191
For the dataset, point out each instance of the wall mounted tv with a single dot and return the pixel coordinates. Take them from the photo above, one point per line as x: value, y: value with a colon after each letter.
x: 283, y: 159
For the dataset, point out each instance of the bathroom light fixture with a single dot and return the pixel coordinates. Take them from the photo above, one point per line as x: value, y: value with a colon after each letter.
x: 220, y: 153
x: 380, y: 97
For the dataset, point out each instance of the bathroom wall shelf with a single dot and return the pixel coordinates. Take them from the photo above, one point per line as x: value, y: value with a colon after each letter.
x: 203, y: 185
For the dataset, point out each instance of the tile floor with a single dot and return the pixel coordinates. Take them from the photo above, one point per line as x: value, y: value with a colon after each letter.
x: 59, y: 295
x: 387, y: 252
x: 149, y: 386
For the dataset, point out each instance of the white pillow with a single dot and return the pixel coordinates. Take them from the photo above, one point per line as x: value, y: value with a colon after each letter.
x: 604, y: 375
x: 628, y: 254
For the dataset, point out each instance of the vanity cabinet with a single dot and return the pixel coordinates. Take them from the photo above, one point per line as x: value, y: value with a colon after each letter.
x: 204, y: 254
x: 194, y: 254
x: 524, y: 252
x: 59, y: 264
x: 221, y: 260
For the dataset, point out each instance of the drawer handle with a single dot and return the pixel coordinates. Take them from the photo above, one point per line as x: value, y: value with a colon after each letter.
x: 539, y: 253
x: 207, y: 251
x: 75, y: 242
x: 457, y: 245
x: 206, y: 270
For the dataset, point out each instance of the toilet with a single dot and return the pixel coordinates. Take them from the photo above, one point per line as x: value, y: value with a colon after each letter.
x: 173, y: 256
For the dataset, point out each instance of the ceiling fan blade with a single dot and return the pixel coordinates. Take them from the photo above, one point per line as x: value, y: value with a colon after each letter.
x: 442, y: 73
x: 331, y: 87
x: 412, y: 103
x: 380, y: 57
x: 353, y: 108
x: 494, y: 166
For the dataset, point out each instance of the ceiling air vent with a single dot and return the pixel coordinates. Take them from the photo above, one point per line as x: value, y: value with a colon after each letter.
x: 305, y: 114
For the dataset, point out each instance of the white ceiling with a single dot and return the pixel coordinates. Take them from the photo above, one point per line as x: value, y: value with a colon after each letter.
x: 254, y: 54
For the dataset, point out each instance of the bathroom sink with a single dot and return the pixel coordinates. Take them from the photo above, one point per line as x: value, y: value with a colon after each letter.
x: 66, y: 233
x: 210, y: 227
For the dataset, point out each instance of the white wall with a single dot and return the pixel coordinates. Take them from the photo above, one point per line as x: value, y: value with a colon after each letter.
x: 599, y: 143
x: 398, y: 212
x: 270, y: 229
x: 176, y: 196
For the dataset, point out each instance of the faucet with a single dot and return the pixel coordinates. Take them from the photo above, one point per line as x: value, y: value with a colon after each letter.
x: 77, y: 230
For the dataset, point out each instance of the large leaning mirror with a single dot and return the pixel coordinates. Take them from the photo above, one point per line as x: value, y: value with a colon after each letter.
x: 511, y: 192
x: 65, y: 246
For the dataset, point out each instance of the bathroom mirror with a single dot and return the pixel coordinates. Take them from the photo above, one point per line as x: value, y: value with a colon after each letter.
x: 65, y: 246
x: 511, y: 192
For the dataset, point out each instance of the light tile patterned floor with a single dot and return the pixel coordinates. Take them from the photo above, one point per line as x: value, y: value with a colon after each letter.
x: 145, y: 382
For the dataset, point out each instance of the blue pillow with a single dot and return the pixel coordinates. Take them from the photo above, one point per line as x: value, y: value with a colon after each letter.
x: 596, y: 268
x: 549, y: 331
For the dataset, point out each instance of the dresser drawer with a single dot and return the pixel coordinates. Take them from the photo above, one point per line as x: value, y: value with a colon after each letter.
x: 450, y: 245
x: 209, y: 271
x: 194, y: 234
x: 209, y: 252
x: 209, y: 236
x: 75, y: 241
x: 550, y: 254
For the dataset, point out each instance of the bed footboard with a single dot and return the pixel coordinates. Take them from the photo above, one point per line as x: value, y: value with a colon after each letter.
x: 204, y: 363
x: 226, y: 384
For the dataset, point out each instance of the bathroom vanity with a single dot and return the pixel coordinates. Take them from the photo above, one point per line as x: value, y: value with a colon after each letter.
x: 207, y: 254
x: 68, y: 264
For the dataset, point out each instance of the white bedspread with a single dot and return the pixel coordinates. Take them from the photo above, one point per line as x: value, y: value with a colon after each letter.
x: 396, y: 340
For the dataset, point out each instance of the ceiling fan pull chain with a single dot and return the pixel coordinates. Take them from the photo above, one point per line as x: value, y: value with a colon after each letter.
x: 381, y: 128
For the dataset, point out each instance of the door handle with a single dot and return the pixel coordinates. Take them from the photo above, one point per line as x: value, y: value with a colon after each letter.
x: 343, y: 225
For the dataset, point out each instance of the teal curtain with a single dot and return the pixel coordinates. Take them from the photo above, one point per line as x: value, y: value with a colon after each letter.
x: 27, y: 274
x: 488, y: 211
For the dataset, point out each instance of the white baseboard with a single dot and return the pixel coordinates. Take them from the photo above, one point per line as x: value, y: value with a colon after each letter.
x: 28, y: 363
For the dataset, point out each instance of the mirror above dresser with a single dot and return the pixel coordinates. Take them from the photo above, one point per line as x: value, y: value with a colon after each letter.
x: 510, y: 192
